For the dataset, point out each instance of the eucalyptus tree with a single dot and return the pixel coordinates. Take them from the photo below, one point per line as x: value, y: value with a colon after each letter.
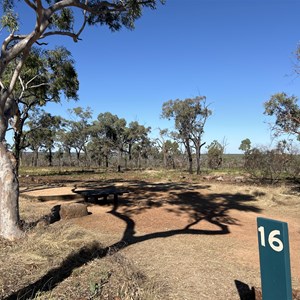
x: 141, y: 149
x: 136, y: 134
x: 112, y: 131
x: 120, y: 138
x: 65, y: 141
x: 99, y: 148
x: 161, y: 144
x: 245, y: 145
x: 46, y: 76
x: 95, y: 151
x: 77, y: 131
x: 42, y: 134
x: 173, y: 152
x: 286, y: 111
x: 168, y: 148
x: 52, y: 18
x: 102, y: 137
x: 190, y: 116
x: 215, y: 153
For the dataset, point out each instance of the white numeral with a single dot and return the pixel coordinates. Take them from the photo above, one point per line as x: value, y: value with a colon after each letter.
x: 261, y: 230
x: 274, y: 242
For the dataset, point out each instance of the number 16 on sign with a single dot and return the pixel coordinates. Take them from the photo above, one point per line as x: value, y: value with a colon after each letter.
x: 274, y: 256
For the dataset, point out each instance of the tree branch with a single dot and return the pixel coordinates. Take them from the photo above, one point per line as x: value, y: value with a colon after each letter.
x: 30, y: 4
x: 26, y: 42
x: 74, y: 36
x: 17, y: 72
x: 6, y: 43
x: 23, y: 87
x: 41, y: 44
x: 29, y: 81
x: 85, y: 6
x: 39, y: 11
x: 83, y: 24
x: 19, y: 37
x: 38, y: 85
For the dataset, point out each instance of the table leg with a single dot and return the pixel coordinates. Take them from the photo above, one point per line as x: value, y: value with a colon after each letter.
x: 116, y: 199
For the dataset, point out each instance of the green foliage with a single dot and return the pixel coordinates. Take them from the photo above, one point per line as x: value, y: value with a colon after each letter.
x: 190, y: 116
x: 110, y: 127
x: 287, y: 113
x: 46, y: 74
x: 111, y: 134
x: 273, y: 164
x: 50, y: 72
x: 41, y: 134
x: 64, y: 20
x: 215, y: 155
x: 62, y: 74
x: 42, y: 130
x: 137, y: 140
x: 123, y: 13
x: 171, y: 151
x: 245, y: 145
x: 16, y: 50
x: 75, y: 133
x: 10, y: 21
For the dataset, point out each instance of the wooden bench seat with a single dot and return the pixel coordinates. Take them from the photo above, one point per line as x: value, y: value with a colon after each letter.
x: 98, y: 194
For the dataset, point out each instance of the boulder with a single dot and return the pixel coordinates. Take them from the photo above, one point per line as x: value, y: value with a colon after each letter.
x: 74, y: 210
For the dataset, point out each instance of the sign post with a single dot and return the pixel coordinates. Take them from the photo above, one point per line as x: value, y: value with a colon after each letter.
x: 274, y: 256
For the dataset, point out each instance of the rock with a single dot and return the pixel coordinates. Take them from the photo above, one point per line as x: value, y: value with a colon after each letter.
x: 220, y: 178
x: 239, y: 179
x: 55, y: 214
x: 74, y: 210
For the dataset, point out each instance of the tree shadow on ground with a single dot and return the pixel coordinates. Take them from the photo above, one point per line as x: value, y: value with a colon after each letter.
x: 213, y: 208
x: 181, y: 199
x: 53, y: 277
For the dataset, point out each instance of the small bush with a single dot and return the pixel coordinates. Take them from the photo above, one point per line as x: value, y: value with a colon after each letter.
x: 272, y: 165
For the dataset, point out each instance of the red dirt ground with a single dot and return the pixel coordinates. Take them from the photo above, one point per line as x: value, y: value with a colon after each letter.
x: 200, y: 240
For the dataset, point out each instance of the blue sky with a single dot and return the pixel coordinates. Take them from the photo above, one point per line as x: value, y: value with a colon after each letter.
x: 237, y: 53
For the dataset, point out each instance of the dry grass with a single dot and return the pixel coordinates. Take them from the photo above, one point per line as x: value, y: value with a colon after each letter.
x: 67, y: 261
x: 63, y: 261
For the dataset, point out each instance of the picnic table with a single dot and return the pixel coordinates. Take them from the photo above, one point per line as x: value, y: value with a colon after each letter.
x: 94, y: 195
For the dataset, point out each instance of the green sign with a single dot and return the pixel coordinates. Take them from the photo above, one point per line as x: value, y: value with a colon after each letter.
x: 274, y: 256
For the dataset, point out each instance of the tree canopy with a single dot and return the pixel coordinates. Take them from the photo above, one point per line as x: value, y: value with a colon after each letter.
x: 66, y: 18
x: 245, y: 145
x: 190, y: 116
x: 55, y: 18
x: 286, y: 111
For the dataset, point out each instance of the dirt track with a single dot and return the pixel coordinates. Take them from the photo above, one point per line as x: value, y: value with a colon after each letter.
x: 200, y: 240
